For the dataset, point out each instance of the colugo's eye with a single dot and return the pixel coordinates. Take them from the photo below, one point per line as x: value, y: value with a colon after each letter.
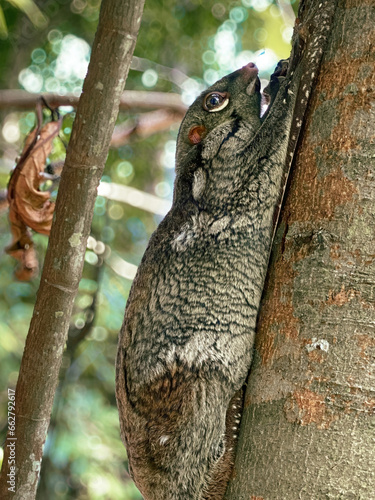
x: 215, y: 101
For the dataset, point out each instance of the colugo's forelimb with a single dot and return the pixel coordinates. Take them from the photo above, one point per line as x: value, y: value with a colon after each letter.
x: 186, y: 343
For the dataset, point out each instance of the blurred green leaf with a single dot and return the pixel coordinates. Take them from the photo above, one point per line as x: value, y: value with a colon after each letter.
x: 32, y: 11
x: 3, y: 24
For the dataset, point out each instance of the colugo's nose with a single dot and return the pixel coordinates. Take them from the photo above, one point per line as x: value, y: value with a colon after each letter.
x: 250, y: 74
x: 250, y: 69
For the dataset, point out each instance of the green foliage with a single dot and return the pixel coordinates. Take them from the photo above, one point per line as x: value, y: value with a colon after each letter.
x: 182, y: 47
x: 31, y: 10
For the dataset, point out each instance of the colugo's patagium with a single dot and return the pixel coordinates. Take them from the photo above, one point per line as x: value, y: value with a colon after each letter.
x: 186, y: 343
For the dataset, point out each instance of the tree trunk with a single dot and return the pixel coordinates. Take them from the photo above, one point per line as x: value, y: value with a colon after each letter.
x: 308, y: 428
x: 96, y: 115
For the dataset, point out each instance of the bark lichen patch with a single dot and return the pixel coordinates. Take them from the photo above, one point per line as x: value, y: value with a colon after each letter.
x: 317, y: 344
x: 56, y: 263
x: 351, y: 88
x: 32, y: 477
x: 305, y: 407
x: 75, y: 240
x: 365, y: 70
x: 317, y: 350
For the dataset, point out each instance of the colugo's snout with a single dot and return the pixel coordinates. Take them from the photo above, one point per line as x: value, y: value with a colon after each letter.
x: 249, y: 73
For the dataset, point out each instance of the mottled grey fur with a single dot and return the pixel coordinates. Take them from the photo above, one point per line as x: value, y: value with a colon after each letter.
x: 186, y: 344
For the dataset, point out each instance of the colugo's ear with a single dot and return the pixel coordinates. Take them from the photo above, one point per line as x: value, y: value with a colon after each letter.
x: 196, y: 134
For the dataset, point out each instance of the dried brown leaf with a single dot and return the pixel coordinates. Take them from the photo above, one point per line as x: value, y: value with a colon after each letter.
x: 22, y: 248
x: 33, y: 206
x: 28, y: 206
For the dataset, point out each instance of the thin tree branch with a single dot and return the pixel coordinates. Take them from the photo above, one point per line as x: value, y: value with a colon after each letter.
x: 121, y: 193
x: 118, y: 265
x: 121, y: 267
x: 164, y: 72
x: 130, y: 99
x: 134, y: 197
x: 88, y: 148
x: 145, y: 125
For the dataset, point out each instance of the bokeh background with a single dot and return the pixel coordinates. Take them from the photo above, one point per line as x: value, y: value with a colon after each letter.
x: 45, y: 47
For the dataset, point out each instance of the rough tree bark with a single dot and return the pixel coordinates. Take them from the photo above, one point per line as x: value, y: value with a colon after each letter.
x: 308, y: 428
x: 96, y: 115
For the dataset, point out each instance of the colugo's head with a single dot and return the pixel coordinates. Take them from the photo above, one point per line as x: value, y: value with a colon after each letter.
x: 236, y: 97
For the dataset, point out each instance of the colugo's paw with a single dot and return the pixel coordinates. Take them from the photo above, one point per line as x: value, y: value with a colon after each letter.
x: 277, y: 77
